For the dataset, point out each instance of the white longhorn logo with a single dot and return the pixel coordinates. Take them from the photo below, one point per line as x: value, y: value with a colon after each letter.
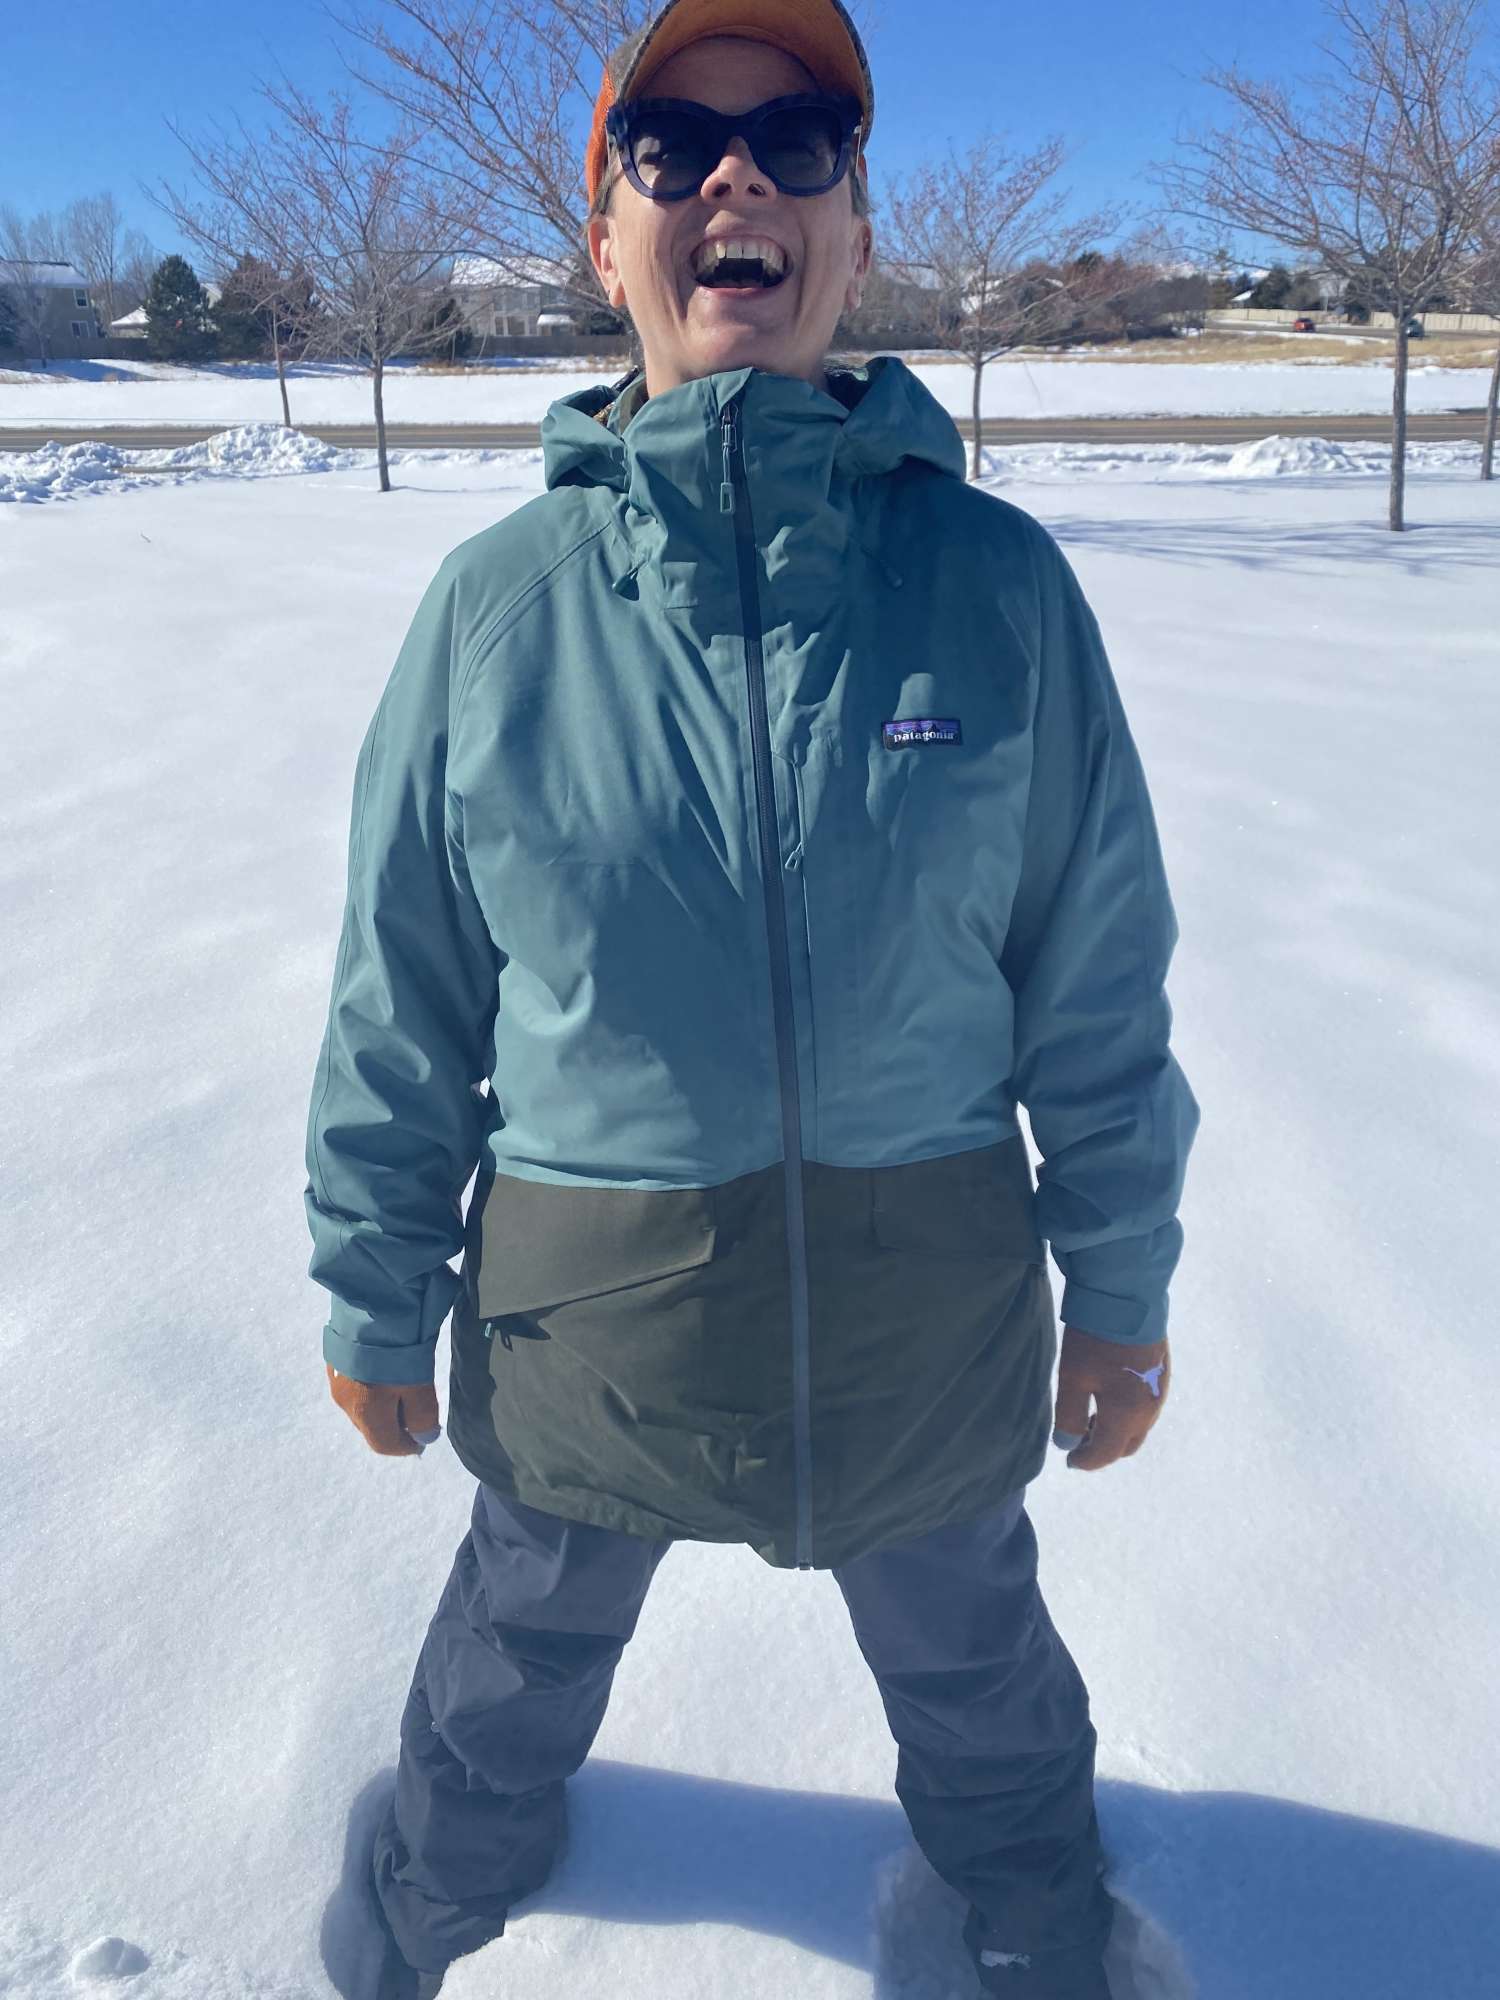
x: 1150, y: 1376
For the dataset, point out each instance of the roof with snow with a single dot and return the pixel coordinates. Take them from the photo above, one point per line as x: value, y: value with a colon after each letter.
x: 40, y: 271
x: 522, y: 269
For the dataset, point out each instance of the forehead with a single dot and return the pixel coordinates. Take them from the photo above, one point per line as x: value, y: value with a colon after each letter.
x: 729, y: 72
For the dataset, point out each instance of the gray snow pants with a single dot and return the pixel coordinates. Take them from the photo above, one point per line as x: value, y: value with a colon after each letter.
x: 995, y: 1749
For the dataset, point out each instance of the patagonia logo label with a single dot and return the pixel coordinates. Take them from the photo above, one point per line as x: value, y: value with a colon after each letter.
x: 922, y: 729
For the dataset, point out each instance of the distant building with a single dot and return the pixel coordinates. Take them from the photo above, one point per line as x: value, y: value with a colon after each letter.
x: 1328, y: 286
x: 49, y: 312
x: 132, y: 325
x: 509, y: 296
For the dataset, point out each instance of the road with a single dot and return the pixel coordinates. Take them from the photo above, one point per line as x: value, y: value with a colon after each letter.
x: 1444, y: 427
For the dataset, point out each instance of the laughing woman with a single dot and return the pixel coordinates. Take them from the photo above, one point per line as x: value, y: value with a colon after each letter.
x: 748, y: 828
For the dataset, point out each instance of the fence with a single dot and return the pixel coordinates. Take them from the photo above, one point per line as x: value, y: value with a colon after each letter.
x: 1433, y: 322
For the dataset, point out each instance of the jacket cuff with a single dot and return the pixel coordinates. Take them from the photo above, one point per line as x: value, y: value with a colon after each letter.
x: 1131, y: 1322
x: 372, y: 1361
x: 395, y: 1344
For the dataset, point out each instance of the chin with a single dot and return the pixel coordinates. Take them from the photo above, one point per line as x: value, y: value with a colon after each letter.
x: 743, y: 349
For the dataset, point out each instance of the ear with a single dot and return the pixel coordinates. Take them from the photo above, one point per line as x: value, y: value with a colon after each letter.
x: 601, y: 242
x: 861, y: 249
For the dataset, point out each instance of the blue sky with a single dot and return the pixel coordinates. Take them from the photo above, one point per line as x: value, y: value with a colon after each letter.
x: 91, y: 82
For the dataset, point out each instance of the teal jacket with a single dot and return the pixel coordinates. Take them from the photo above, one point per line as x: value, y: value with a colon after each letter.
x: 757, y: 800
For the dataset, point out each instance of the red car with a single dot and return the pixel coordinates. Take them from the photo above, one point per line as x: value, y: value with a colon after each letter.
x: 1302, y: 324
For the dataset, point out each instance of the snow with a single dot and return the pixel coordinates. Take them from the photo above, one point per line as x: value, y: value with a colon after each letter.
x: 76, y: 393
x: 214, y: 1594
x: 248, y: 451
x: 1271, y: 457
x: 57, y: 471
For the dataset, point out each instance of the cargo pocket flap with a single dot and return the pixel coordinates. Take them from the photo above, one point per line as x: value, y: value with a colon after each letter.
x: 546, y: 1243
x: 973, y: 1204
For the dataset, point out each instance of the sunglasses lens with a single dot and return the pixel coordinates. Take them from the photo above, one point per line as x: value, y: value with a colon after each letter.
x: 669, y: 150
x: 673, y: 150
x: 800, y: 148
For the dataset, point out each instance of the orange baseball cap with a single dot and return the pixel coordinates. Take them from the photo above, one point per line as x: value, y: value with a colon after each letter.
x: 819, y: 33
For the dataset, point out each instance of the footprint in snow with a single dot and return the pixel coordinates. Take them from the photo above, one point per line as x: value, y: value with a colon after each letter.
x: 920, y: 1954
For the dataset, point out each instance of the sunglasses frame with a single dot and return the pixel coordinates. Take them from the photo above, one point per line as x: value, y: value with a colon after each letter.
x: 722, y: 126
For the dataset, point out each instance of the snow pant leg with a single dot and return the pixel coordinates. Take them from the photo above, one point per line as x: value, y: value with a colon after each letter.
x: 995, y: 1749
x: 508, y: 1694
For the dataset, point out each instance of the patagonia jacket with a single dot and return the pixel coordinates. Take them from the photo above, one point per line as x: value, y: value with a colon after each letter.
x: 748, y: 825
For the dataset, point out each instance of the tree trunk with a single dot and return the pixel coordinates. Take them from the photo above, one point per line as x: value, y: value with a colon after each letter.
x: 286, y: 408
x: 1398, y: 428
x: 1487, y: 456
x: 385, y: 474
x: 978, y: 365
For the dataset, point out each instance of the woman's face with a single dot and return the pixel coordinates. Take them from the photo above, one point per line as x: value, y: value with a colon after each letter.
x: 643, y: 250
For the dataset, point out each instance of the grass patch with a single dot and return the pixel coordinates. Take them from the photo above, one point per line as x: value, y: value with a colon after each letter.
x: 1336, y: 347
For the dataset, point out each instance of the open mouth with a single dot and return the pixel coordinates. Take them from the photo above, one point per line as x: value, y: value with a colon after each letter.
x: 740, y: 266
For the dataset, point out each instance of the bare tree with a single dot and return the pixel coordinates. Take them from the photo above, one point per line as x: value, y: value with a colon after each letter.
x: 28, y: 245
x: 363, y: 219
x: 139, y: 258
x: 116, y: 260
x: 1382, y: 170
x: 990, y: 235
x: 1140, y: 288
x: 1484, y: 296
x: 499, y: 90
x: 375, y: 239
x: 93, y: 230
x: 239, y: 226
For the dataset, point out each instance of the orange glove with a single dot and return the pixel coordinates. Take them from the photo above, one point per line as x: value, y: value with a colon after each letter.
x: 395, y: 1418
x: 1129, y: 1383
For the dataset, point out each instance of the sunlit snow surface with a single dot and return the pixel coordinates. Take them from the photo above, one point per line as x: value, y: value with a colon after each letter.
x: 262, y: 450
x: 1091, y: 384
x: 214, y: 1594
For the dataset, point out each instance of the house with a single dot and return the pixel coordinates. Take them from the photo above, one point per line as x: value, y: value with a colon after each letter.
x: 132, y: 325
x: 47, y: 309
x: 508, y: 295
x: 1327, y: 287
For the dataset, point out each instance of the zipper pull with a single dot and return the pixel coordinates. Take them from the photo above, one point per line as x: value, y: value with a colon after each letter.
x: 729, y: 440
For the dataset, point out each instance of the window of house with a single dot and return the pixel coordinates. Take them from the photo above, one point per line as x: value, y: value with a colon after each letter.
x: 82, y: 330
x: 80, y: 298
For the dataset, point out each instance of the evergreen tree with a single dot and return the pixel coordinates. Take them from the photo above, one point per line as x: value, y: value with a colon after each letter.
x: 178, y: 322
x: 1273, y: 288
x: 443, y: 331
x: 240, y: 314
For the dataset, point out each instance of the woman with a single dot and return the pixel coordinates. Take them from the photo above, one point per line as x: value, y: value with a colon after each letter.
x: 749, y: 822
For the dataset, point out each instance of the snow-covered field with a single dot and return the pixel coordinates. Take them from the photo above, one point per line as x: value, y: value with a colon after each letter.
x: 213, y: 1593
x: 269, y: 450
x: 1019, y: 386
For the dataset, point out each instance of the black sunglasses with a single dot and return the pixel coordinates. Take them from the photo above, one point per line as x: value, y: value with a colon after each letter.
x: 669, y: 145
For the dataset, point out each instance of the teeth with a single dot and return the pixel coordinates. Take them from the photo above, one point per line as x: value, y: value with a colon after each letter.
x: 709, y: 255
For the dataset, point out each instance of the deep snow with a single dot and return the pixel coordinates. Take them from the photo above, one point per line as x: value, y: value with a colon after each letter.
x: 1018, y: 386
x: 214, y: 1594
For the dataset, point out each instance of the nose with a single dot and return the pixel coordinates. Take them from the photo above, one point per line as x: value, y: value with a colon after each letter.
x: 736, y: 173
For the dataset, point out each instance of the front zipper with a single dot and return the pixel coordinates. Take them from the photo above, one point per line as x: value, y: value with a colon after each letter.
x: 734, y: 499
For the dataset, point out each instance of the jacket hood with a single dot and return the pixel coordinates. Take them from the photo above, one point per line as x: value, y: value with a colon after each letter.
x: 875, y: 417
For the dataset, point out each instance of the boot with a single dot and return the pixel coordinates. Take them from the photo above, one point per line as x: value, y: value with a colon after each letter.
x: 1073, y: 1972
x: 396, y: 1979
